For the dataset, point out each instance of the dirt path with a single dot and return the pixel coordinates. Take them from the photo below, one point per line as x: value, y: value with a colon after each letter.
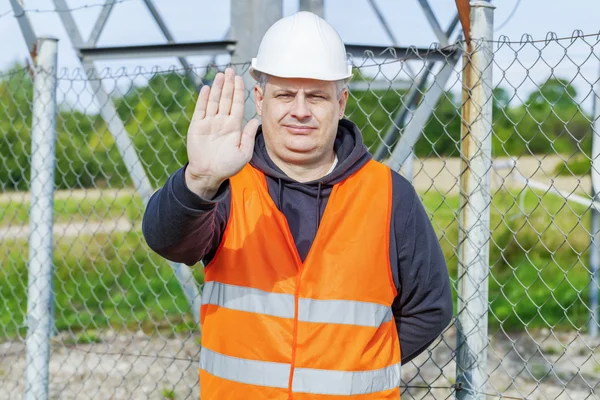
x: 83, y: 228
x: 443, y: 175
x: 76, y: 194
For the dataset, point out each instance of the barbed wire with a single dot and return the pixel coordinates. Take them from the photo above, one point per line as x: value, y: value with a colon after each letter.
x: 13, y: 72
x: 550, y: 37
x: 576, y: 34
x: 5, y: 13
x: 42, y: 11
x: 527, y: 39
x: 79, y: 74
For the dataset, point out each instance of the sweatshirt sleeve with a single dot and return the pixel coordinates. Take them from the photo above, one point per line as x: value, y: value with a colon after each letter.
x: 423, y: 307
x: 182, y: 227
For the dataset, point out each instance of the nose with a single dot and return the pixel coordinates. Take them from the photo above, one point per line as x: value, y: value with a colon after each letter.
x: 300, y: 109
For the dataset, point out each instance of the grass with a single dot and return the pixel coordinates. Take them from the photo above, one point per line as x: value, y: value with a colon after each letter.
x: 552, y: 350
x: 104, y: 280
x: 538, y: 257
x: 577, y: 165
x: 538, y: 275
x: 167, y: 393
x: 86, y: 337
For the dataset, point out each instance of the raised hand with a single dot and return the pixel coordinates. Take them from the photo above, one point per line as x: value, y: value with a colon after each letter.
x: 217, y: 147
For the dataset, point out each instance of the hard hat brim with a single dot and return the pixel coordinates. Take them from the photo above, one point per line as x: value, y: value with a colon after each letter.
x: 256, y: 70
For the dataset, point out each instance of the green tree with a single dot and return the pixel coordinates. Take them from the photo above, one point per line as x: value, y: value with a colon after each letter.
x: 157, y: 116
x: 551, y: 121
x: 16, y: 92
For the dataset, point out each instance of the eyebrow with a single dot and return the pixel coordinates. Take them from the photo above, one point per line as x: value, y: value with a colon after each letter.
x: 283, y: 90
x: 310, y: 92
x: 317, y: 91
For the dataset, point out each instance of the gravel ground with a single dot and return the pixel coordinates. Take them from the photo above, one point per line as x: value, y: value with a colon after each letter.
x: 121, y: 366
x: 546, y: 365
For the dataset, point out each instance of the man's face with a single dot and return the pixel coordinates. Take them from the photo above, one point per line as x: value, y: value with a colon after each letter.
x: 299, y: 117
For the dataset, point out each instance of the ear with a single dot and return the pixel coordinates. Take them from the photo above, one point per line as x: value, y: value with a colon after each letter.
x: 342, y: 101
x: 258, y: 99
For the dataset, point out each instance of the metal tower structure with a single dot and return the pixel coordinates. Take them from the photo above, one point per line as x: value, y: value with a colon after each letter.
x: 249, y: 21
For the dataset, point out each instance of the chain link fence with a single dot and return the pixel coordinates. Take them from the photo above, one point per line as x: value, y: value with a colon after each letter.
x: 122, y: 324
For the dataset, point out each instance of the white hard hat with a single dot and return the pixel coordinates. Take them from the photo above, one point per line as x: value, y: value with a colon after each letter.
x: 302, y: 45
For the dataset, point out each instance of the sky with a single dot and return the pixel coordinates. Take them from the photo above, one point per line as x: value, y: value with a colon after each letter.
x: 356, y: 22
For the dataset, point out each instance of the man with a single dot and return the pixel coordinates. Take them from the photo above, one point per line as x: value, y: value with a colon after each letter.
x: 323, y: 272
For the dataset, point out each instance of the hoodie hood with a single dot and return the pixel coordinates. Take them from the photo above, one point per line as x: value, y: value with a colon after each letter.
x: 351, y: 152
x: 303, y: 203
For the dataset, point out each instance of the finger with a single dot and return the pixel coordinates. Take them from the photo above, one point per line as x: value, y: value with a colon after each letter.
x: 200, y: 109
x: 215, y: 95
x: 227, y: 94
x: 248, y: 135
x: 237, y: 108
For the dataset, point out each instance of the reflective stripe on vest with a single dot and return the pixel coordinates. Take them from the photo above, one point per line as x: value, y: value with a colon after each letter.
x: 306, y: 380
x: 281, y: 305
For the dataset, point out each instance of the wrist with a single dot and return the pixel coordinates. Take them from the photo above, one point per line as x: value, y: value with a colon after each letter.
x: 206, y: 187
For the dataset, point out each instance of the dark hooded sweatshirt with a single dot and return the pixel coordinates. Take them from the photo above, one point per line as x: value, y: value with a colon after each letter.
x: 182, y: 227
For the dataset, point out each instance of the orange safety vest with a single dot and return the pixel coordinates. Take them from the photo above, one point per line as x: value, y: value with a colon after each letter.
x: 277, y: 328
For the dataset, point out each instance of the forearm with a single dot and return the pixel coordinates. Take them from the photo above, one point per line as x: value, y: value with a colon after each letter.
x: 423, y: 307
x: 182, y: 227
x: 418, y: 331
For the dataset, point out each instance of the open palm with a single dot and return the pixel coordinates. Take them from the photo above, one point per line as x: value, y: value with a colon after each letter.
x: 217, y: 147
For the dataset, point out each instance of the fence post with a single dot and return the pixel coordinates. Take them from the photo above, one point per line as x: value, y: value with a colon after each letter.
x: 595, y: 216
x: 408, y: 167
x: 39, y: 295
x: 474, y: 230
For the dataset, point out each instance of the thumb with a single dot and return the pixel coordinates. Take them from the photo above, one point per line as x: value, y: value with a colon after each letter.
x: 248, y: 135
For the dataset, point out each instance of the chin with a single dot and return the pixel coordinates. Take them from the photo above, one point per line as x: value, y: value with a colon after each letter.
x: 301, y: 146
x: 297, y: 154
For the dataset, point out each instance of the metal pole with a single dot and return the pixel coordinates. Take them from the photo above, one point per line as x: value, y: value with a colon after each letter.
x: 405, y: 146
x: 26, y: 29
x: 43, y: 144
x: 390, y: 34
x: 594, y: 250
x: 435, y: 25
x: 249, y: 22
x: 474, y: 231
x: 167, y: 33
x: 100, y: 22
x: 108, y: 110
x: 408, y: 167
x: 314, y: 6
x: 407, y: 106
x: 594, y: 261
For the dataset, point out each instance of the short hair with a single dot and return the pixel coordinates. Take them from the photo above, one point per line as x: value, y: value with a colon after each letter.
x: 340, y: 85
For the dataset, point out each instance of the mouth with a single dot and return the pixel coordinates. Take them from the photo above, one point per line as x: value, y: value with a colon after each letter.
x: 299, y: 129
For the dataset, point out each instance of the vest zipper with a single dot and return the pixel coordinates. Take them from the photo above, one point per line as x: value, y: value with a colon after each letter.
x: 295, y: 333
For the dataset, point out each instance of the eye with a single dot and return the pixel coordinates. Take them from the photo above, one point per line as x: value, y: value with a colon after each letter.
x: 283, y: 96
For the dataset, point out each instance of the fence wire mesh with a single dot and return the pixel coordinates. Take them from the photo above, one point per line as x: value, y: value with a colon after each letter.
x: 122, y: 325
